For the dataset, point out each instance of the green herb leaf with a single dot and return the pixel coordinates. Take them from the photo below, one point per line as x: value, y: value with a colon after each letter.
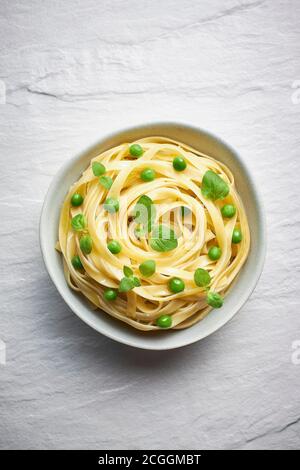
x: 78, y: 222
x: 202, y: 277
x: 98, y: 168
x: 163, y: 238
x: 129, y: 281
x: 144, y: 212
x: 213, y: 186
x: 126, y: 284
x: 106, y: 181
x: 127, y: 271
x: 136, y: 281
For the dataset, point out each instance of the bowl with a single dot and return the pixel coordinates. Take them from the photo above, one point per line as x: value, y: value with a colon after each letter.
x: 238, y: 294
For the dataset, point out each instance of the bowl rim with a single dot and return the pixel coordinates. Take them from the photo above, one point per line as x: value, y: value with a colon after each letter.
x: 143, y: 127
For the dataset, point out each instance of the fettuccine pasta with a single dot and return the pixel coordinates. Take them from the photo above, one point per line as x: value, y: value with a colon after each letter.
x: 154, y: 234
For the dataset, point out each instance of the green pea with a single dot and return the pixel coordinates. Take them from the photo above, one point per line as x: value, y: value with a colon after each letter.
x: 164, y: 321
x: 214, y: 253
x: 202, y: 277
x: 86, y: 244
x: 147, y: 268
x: 110, y: 294
x: 76, y: 200
x: 236, y: 236
x: 136, y: 150
x: 228, y: 211
x: 148, y: 174
x: 76, y: 262
x: 214, y: 299
x: 179, y: 164
x: 114, y: 247
x: 176, y: 285
x: 111, y: 205
x: 98, y: 169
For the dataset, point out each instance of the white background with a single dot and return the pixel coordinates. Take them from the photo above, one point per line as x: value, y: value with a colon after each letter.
x: 75, y: 70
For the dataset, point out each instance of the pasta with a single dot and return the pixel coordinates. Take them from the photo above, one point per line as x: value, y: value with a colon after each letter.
x: 154, y: 234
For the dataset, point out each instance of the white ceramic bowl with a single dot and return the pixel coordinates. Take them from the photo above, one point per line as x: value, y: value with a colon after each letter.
x: 247, y: 279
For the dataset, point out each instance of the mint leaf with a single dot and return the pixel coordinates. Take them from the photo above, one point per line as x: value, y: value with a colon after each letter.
x: 127, y: 271
x: 126, y: 284
x: 136, y: 282
x: 163, y: 238
x: 106, y: 181
x: 78, y: 222
x: 213, y: 186
x: 144, y: 212
x: 129, y: 281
